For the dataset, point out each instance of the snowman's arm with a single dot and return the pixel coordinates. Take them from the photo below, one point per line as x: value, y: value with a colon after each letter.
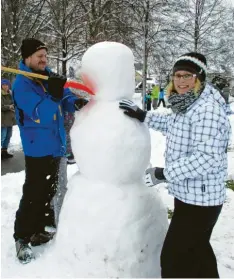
x: 157, y: 121
x: 68, y: 100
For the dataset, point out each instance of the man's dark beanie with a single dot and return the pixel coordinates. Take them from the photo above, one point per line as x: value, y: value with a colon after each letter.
x: 30, y: 46
x: 193, y: 62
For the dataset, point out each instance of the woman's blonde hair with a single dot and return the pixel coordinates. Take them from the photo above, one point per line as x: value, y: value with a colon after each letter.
x: 170, y: 87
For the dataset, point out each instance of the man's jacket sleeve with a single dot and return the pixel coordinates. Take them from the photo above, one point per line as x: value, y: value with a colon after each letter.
x: 40, y: 109
x: 68, y: 100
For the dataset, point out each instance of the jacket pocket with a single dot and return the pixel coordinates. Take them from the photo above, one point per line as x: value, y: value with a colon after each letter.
x: 196, y: 186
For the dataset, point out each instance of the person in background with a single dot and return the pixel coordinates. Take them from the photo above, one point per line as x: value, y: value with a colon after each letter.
x: 161, y: 98
x: 198, y: 133
x: 7, y: 118
x: 155, y: 96
x: 148, y: 100
x: 39, y: 106
x: 222, y: 85
x: 69, y: 118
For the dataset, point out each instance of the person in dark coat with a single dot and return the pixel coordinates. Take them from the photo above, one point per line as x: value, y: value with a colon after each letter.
x: 222, y: 85
x: 148, y: 100
x: 161, y: 98
x: 40, y: 106
x: 69, y: 118
x: 7, y: 116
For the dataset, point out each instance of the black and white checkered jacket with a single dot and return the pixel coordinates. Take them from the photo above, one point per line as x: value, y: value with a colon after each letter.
x: 196, y: 149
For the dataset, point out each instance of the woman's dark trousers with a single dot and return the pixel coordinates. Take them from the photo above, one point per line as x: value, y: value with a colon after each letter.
x: 187, y: 252
x: 38, y: 190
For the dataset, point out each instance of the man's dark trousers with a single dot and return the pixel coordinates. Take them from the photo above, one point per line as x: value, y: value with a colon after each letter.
x: 186, y: 251
x: 38, y: 190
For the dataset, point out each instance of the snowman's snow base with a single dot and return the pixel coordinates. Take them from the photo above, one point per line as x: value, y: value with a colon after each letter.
x: 114, y: 231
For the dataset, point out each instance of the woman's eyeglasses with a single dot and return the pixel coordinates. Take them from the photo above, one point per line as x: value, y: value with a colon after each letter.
x: 185, y: 77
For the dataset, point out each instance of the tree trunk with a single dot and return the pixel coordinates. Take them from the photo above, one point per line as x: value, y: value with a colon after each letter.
x: 64, y: 56
x: 145, y: 53
x: 58, y: 54
x: 198, y: 13
x: 196, y: 26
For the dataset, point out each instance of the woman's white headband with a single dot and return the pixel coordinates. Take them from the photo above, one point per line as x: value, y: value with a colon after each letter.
x: 195, y: 61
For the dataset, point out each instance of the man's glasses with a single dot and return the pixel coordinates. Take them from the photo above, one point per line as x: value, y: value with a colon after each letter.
x: 185, y: 77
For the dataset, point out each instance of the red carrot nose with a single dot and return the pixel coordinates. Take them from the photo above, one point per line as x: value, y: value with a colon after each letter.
x: 77, y: 85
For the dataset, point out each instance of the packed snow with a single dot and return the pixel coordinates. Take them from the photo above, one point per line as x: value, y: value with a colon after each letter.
x: 121, y: 234
x: 222, y: 238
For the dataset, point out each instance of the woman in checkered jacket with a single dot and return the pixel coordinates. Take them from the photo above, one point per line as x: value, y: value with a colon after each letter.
x: 197, y: 135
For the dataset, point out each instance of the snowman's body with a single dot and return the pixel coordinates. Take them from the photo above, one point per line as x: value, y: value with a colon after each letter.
x: 111, y: 224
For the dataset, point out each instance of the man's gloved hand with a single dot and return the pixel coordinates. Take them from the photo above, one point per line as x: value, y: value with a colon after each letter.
x: 80, y: 103
x: 154, y: 176
x: 55, y: 86
x: 132, y: 110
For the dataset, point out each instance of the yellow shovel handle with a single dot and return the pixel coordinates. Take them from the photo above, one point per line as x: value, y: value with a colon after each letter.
x: 27, y: 74
x: 72, y: 84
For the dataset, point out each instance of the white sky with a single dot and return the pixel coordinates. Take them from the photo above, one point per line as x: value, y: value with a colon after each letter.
x: 231, y: 2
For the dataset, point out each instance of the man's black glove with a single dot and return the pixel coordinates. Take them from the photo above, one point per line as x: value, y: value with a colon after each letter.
x: 55, y: 86
x: 132, y: 110
x: 80, y: 103
x: 154, y: 176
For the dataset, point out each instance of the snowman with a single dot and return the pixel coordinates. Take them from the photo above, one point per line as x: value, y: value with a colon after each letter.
x: 111, y: 224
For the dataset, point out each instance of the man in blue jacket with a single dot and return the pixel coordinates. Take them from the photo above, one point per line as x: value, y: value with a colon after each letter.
x: 39, y: 106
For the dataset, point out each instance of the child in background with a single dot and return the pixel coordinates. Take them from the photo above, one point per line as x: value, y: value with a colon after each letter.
x: 161, y: 98
x: 7, y: 118
x: 148, y: 100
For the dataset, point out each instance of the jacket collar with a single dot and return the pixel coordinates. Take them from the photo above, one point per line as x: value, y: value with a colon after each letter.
x: 209, y: 90
x: 23, y: 67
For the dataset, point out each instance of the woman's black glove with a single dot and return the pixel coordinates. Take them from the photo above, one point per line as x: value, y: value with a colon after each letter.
x: 132, y: 110
x: 80, y: 103
x: 55, y: 86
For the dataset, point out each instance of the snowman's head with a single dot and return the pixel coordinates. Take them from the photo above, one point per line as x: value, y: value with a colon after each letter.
x: 108, y: 69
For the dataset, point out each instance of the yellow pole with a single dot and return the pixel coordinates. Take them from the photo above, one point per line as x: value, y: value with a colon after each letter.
x: 27, y: 74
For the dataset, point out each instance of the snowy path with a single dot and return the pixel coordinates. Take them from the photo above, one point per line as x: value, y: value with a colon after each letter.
x: 222, y: 240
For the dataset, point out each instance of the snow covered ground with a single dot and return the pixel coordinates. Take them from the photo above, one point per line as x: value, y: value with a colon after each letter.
x: 15, y: 143
x: 11, y: 188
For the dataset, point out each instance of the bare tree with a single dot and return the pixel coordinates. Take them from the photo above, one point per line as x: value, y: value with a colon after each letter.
x: 156, y: 30
x: 199, y: 21
x: 194, y: 25
x: 146, y: 23
x: 106, y: 20
x: 223, y: 60
x: 64, y: 32
x: 20, y: 19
